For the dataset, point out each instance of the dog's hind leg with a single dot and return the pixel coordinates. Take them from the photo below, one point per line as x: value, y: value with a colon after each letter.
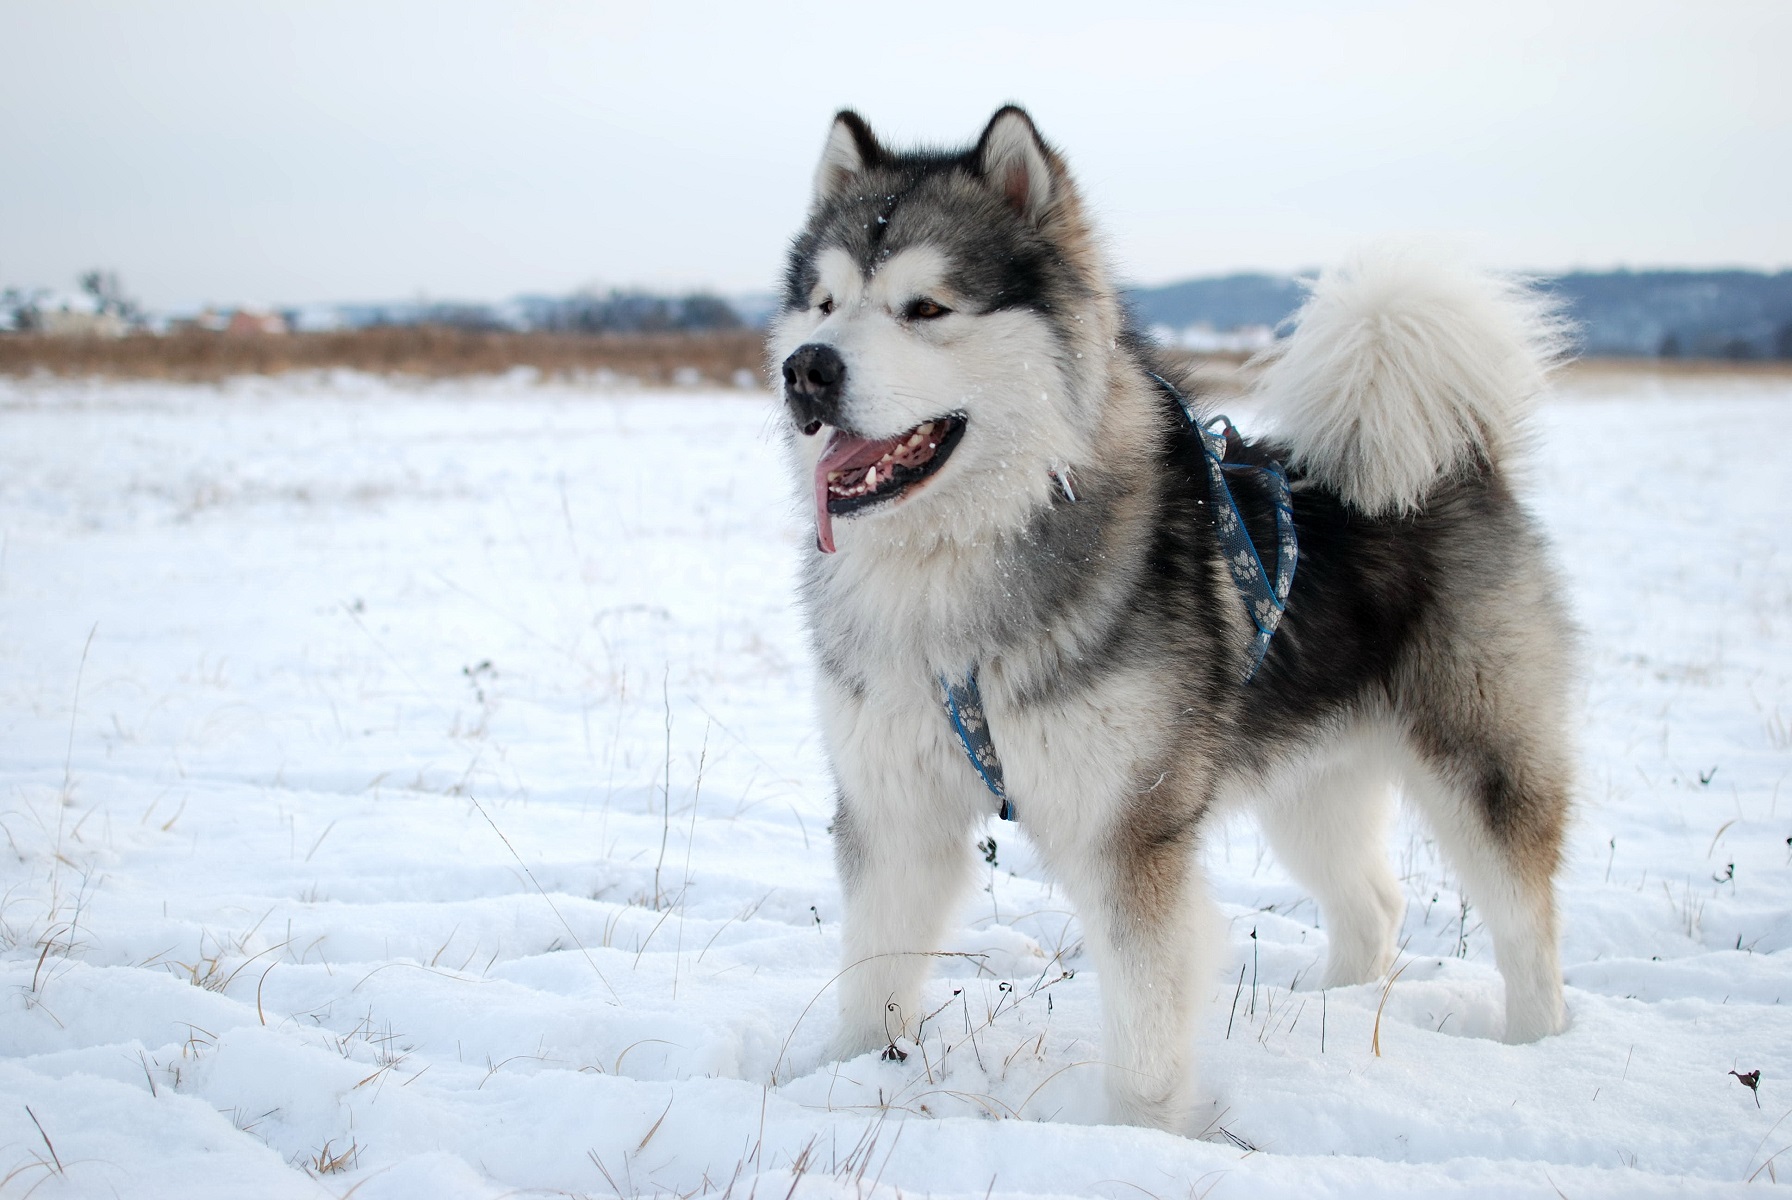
x: 1330, y: 832
x: 1499, y: 814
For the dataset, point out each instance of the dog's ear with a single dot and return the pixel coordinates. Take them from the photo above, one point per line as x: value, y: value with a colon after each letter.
x: 1017, y: 164
x: 852, y: 149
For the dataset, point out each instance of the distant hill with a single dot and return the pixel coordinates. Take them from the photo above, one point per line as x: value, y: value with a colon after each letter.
x: 1668, y: 314
x: 1694, y: 314
x: 1224, y: 301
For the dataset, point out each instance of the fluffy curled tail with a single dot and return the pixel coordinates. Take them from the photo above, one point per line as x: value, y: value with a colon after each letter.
x: 1403, y: 371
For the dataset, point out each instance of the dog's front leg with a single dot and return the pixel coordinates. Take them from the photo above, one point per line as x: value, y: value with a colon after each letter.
x: 1148, y: 921
x: 904, y: 867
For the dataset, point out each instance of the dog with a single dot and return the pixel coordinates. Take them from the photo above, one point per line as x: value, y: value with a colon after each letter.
x: 1021, y: 596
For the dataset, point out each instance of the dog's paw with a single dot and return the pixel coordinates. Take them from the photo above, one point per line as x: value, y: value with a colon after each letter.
x: 1541, y: 1017
x: 1169, y: 1112
x: 1358, y: 955
x: 850, y: 1041
x: 1351, y: 969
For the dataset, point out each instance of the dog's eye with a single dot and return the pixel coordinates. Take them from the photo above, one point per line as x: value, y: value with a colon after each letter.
x: 826, y: 306
x: 926, y: 310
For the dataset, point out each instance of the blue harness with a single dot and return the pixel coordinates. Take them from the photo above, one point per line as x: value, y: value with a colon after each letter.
x: 1265, y: 597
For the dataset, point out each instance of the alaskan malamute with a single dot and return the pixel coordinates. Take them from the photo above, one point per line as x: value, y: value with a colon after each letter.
x: 1029, y: 594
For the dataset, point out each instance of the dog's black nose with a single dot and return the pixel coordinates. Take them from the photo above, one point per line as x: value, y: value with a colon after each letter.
x: 814, y: 378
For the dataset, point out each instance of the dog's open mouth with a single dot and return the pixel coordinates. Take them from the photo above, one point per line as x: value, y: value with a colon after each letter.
x: 857, y: 473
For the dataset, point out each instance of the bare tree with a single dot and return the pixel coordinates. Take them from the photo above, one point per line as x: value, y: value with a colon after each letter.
x: 108, y: 293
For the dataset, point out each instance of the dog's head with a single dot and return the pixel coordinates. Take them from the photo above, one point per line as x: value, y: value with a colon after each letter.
x: 945, y: 331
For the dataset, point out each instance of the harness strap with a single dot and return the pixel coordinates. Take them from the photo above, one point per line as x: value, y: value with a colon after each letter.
x: 964, y: 709
x: 1265, y: 598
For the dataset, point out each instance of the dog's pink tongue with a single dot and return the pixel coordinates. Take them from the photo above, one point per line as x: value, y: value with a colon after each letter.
x: 844, y: 452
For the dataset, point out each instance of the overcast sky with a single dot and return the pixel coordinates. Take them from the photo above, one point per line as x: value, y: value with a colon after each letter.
x: 287, y: 152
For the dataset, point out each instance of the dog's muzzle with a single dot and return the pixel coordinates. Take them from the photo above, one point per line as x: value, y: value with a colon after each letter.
x: 814, y: 380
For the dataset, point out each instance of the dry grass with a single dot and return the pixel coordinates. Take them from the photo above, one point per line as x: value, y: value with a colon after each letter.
x: 1584, y: 369
x: 324, y: 1162
x: 667, y: 359
x: 426, y: 351
x: 437, y: 352
x: 1220, y: 375
x: 1216, y: 376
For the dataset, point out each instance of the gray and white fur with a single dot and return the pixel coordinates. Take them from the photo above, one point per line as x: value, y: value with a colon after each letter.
x: 949, y: 315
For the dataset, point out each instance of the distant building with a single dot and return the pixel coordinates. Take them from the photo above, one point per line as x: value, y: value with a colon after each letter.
x: 255, y: 320
x: 315, y: 318
x: 62, y: 314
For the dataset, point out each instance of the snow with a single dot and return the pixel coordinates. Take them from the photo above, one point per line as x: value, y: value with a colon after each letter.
x: 412, y: 790
x: 1203, y: 338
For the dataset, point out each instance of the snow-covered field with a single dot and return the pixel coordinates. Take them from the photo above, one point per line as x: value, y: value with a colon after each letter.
x: 412, y: 791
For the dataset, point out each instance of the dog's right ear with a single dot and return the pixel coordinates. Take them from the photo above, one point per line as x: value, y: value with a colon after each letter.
x: 1015, y: 162
x: 852, y: 149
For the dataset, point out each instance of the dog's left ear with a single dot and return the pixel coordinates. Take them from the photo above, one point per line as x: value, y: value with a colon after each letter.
x: 1016, y: 163
x: 852, y: 149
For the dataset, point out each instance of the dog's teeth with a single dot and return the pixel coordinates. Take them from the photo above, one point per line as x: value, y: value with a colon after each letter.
x: 833, y: 477
x: 914, y: 439
x: 871, y: 476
